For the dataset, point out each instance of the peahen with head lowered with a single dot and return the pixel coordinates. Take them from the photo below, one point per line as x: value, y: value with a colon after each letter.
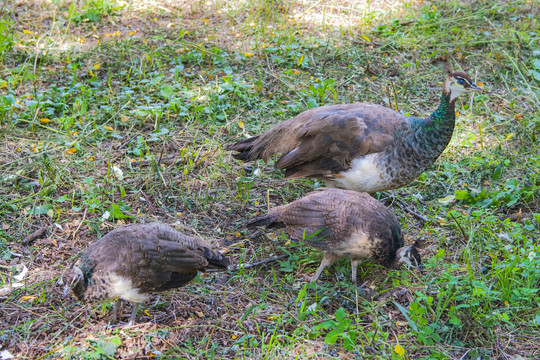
x: 134, y: 260
x: 361, y: 146
x: 344, y: 224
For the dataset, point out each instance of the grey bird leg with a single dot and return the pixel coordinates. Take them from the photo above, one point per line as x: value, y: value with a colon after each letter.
x: 119, y: 304
x: 326, y: 261
x: 354, y: 265
x: 134, y: 310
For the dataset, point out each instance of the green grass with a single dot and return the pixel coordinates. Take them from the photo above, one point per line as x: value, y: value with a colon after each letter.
x: 158, y: 90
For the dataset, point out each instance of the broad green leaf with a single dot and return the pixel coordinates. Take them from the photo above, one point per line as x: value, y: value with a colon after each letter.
x: 447, y: 199
x: 405, y: 313
x: 301, y: 293
x: 116, y: 340
x: 167, y: 91
x: 340, y: 314
x: 8, y: 100
x: 122, y: 192
x: 331, y: 337
x: 155, y: 80
x: 41, y: 210
x: 511, y: 184
x: 108, y: 348
x: 117, y: 213
x: 462, y: 195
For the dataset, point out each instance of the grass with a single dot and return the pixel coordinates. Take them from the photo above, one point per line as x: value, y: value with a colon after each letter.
x: 124, y: 108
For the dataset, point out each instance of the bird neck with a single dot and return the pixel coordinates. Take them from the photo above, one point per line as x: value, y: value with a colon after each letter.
x: 396, y: 263
x: 86, y: 268
x: 79, y: 289
x: 397, y: 259
x: 430, y: 136
x: 419, y: 146
x: 444, y: 117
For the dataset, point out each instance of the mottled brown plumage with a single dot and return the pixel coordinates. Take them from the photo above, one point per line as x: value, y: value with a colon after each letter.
x: 362, y: 147
x: 134, y: 260
x: 346, y: 224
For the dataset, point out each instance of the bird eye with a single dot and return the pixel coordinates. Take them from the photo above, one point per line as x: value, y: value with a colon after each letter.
x: 461, y: 81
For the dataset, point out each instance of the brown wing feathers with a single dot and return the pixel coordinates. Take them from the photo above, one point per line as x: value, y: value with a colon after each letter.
x: 153, y: 256
x: 305, y: 219
x: 323, y: 141
x: 196, y: 248
x: 335, y: 214
x: 269, y: 220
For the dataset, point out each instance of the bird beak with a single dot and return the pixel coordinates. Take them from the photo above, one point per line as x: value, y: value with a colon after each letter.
x: 66, y: 290
x: 475, y: 87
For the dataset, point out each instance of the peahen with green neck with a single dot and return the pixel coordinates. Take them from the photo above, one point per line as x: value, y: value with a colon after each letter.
x: 361, y: 146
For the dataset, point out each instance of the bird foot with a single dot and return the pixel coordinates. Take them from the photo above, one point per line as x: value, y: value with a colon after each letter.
x: 366, y: 292
x: 111, y: 325
x: 363, y: 286
x: 309, y: 279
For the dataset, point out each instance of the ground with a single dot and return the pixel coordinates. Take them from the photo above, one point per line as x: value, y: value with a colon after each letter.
x: 117, y: 112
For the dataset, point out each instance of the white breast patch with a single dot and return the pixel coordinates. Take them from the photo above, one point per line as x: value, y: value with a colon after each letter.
x: 358, y: 247
x: 364, y: 175
x: 123, y: 288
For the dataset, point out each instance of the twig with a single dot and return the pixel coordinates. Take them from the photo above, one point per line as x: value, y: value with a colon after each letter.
x: 465, y: 237
x: 35, y: 235
x: 463, y: 357
x: 162, y: 179
x: 160, y: 155
x: 2, y: 8
x: 212, y: 332
x: 415, y: 214
x: 410, y: 211
x: 262, y: 262
x: 78, y: 227
x: 18, y: 175
x: 268, y: 198
x: 168, y: 160
x: 345, y: 81
x: 149, y: 202
x: 501, y: 350
x: 122, y: 153
x: 395, y: 95
x: 249, y: 266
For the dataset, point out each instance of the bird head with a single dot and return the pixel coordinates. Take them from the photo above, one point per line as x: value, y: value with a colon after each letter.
x: 410, y: 256
x: 459, y: 83
x: 71, y: 277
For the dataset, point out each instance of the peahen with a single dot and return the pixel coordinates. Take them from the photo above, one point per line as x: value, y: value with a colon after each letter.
x: 361, y: 146
x: 134, y: 260
x: 343, y: 224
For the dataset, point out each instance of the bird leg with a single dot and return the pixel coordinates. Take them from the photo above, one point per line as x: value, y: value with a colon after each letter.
x: 119, y: 304
x: 354, y: 265
x: 134, y: 310
x: 326, y: 261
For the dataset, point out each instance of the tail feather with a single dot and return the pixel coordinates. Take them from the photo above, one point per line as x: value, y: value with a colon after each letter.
x: 244, y: 149
x: 244, y: 156
x: 216, y: 259
x: 269, y: 220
